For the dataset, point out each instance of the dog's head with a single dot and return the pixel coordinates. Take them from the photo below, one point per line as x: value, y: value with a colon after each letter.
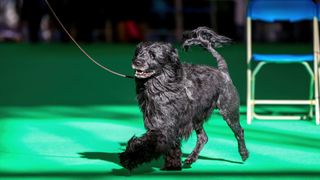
x: 151, y: 59
x: 203, y: 36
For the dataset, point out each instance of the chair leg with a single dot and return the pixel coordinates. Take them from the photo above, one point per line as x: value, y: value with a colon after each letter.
x: 249, y: 56
x: 316, y: 67
x: 311, y: 96
x: 316, y: 96
x: 249, y: 97
x: 317, y: 110
x: 312, y: 88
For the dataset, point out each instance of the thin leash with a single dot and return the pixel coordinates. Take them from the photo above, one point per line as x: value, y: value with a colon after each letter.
x: 83, y: 51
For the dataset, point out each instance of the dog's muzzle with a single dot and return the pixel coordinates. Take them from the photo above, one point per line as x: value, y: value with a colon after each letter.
x: 142, y: 73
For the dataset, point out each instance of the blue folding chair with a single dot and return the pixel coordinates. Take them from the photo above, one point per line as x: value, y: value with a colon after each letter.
x: 282, y: 10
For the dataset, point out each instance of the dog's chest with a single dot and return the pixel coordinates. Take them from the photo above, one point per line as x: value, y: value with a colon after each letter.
x: 161, y: 106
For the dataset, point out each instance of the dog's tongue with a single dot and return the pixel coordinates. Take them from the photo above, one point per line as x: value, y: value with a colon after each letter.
x: 140, y: 73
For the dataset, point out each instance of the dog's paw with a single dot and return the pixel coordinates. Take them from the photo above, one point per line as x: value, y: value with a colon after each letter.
x: 126, y: 162
x: 190, y: 159
x: 244, y: 155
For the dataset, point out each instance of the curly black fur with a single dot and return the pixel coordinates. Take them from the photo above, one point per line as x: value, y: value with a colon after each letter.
x: 177, y: 98
x: 140, y: 150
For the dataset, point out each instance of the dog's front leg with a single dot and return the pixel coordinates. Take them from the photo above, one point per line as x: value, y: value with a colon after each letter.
x: 173, y: 158
x: 140, y: 150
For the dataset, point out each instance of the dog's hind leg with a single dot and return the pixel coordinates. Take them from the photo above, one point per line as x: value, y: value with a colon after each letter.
x: 202, y: 139
x: 231, y: 115
x: 239, y: 134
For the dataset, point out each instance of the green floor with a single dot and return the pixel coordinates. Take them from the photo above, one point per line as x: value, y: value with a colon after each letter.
x: 61, y: 117
x: 83, y: 142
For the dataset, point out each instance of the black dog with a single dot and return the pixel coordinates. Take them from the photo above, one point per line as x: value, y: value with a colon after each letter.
x: 178, y: 98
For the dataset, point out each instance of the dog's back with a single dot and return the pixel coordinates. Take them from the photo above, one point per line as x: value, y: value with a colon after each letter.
x: 204, y: 86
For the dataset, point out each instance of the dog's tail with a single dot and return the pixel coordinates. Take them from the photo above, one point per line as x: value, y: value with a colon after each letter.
x: 143, y: 149
x: 222, y: 65
x: 209, y: 40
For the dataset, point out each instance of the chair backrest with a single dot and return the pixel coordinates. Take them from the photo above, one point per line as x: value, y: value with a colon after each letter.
x: 281, y: 10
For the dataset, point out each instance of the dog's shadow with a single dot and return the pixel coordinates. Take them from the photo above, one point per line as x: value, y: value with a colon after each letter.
x: 144, y: 168
x: 114, y: 158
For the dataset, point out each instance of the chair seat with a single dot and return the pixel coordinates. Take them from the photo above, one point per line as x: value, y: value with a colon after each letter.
x: 283, y: 58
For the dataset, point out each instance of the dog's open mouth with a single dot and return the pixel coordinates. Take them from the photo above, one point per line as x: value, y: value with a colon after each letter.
x: 143, y: 74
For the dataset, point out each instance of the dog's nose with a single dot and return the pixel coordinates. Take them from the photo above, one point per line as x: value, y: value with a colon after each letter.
x: 138, y: 62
